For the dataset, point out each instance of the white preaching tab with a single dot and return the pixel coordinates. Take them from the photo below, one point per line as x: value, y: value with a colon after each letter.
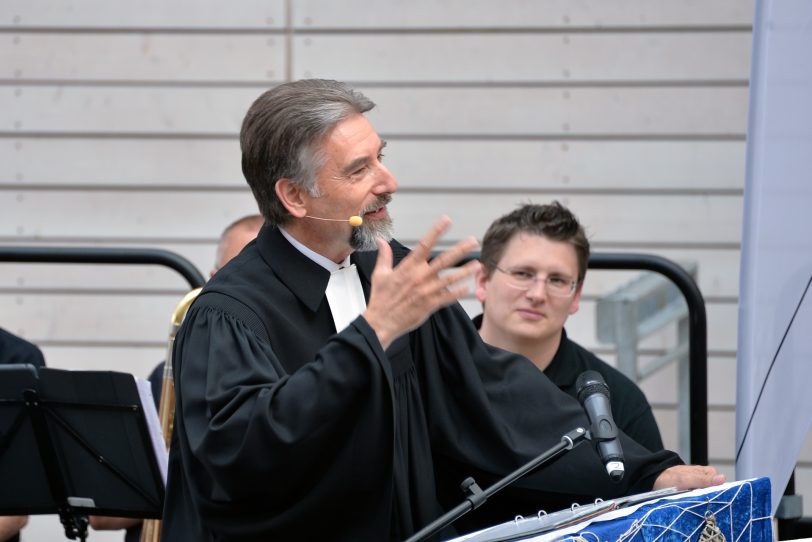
x: 345, y: 296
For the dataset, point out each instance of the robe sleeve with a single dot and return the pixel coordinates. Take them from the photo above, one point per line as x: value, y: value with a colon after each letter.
x: 260, y: 446
x: 491, y: 411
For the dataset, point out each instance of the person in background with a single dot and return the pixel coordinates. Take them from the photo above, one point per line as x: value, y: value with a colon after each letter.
x: 326, y: 376
x: 15, y: 350
x: 232, y: 240
x: 534, y: 261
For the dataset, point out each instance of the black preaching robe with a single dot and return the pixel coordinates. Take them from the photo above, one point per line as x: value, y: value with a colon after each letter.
x: 285, y: 429
x: 630, y: 408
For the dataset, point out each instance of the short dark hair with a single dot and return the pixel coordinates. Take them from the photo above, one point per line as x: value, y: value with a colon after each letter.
x: 282, y: 133
x: 553, y: 221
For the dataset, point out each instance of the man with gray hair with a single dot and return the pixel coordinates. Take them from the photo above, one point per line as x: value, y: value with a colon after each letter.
x: 320, y: 382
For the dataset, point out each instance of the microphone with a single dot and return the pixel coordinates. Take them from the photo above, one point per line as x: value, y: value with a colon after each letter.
x: 354, y: 220
x: 593, y: 394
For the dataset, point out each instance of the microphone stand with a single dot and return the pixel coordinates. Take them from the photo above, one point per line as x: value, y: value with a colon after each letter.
x: 475, y: 496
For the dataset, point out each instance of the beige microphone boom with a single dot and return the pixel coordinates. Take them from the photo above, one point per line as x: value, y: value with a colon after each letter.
x: 354, y: 220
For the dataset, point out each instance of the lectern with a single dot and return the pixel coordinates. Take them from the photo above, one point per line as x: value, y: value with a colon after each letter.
x: 732, y: 512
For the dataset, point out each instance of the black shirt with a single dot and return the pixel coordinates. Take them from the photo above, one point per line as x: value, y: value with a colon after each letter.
x: 14, y: 349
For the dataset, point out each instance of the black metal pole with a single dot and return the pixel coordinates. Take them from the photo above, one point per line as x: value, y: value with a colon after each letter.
x: 476, y: 496
x: 144, y: 256
x: 75, y: 524
x: 697, y: 336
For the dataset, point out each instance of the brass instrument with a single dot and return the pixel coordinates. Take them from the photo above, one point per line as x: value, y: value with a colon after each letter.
x: 151, y: 528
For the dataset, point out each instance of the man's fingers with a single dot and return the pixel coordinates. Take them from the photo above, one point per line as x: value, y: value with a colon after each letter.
x: 426, y: 244
x: 384, y: 260
x: 459, y: 274
x: 450, y: 257
x: 690, y: 477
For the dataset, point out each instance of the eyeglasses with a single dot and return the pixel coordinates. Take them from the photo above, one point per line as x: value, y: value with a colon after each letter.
x: 522, y: 279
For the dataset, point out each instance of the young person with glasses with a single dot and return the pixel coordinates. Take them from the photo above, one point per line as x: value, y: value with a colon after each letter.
x: 533, y: 265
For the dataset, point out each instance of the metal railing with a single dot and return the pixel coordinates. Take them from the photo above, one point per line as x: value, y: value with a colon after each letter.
x: 697, y: 336
x: 104, y: 255
x: 697, y: 320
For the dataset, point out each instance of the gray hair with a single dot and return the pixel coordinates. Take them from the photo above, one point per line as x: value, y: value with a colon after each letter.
x: 282, y: 136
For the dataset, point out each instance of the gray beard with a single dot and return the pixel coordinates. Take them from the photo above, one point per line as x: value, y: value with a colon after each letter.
x: 364, y: 237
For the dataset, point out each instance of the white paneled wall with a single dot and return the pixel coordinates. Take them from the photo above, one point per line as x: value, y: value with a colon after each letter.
x: 119, y: 123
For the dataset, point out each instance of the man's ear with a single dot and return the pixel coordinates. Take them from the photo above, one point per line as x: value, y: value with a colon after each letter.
x: 292, y: 197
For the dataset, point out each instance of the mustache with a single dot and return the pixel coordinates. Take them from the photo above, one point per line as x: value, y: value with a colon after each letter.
x: 381, y: 201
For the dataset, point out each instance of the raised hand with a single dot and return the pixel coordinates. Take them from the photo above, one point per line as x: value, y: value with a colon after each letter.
x: 403, y: 297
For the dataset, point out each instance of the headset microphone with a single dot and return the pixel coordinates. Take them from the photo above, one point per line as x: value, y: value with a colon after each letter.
x: 354, y: 220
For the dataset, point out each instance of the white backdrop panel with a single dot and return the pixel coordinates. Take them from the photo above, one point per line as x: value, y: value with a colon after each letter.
x: 71, y: 318
x: 599, y: 14
x: 126, y: 110
x: 108, y: 215
x: 119, y: 162
x: 417, y: 163
x: 562, y: 166
x: 191, y: 14
x: 526, y: 57
x: 44, y: 214
x: 553, y: 111
x: 141, y: 57
x: 606, y: 218
x: 517, y: 111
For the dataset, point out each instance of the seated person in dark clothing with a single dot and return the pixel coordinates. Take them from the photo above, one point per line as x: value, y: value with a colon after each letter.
x: 15, y: 350
x: 534, y: 262
x: 236, y: 235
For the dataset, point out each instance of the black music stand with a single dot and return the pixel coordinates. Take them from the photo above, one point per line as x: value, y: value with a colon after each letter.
x: 76, y: 443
